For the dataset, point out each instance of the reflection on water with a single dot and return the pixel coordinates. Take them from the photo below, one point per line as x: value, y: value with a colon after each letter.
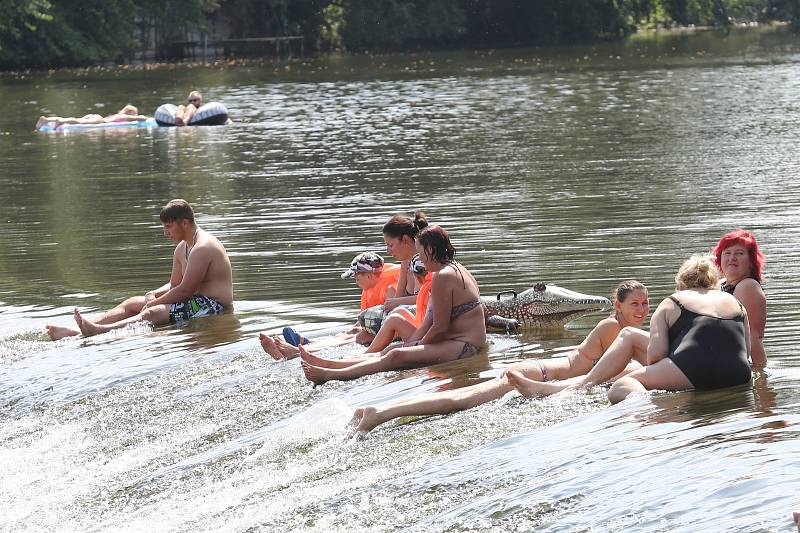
x: 580, y: 166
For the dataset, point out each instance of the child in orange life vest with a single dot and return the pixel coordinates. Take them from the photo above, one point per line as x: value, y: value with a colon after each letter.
x: 377, y: 282
x: 376, y: 279
x: 402, y: 323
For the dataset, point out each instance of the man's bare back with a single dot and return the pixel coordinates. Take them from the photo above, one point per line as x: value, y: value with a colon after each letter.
x: 217, y: 282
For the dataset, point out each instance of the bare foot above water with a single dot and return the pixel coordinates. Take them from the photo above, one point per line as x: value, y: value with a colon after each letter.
x: 364, y: 420
x: 269, y: 346
x: 87, y: 327
x: 59, y: 332
x: 314, y: 374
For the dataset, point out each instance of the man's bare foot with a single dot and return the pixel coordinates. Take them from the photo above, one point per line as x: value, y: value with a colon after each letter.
x: 87, y: 327
x: 531, y: 388
x: 268, y: 343
x: 314, y: 373
x: 59, y: 332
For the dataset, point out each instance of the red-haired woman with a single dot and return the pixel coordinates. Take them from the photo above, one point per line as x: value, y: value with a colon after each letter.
x: 741, y: 262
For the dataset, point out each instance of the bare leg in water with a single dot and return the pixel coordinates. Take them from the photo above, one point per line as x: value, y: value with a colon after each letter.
x: 394, y: 359
x: 157, y: 314
x: 126, y: 309
x: 437, y: 403
x: 322, y: 362
x: 279, y: 349
x: 627, y: 353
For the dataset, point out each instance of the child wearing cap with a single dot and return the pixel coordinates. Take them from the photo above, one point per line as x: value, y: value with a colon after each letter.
x: 377, y: 281
x: 374, y: 277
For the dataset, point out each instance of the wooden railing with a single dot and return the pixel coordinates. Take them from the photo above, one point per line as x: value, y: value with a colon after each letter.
x: 232, y: 47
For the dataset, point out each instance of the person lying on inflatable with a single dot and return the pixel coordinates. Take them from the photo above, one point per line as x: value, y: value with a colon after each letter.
x: 129, y: 113
x: 377, y: 281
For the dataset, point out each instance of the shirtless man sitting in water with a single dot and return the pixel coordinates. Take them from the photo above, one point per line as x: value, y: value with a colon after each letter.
x: 129, y: 113
x: 201, y: 283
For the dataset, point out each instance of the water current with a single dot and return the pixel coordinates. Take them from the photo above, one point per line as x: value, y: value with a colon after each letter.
x: 579, y: 165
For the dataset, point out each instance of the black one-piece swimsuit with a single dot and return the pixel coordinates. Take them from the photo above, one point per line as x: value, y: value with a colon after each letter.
x: 710, y: 351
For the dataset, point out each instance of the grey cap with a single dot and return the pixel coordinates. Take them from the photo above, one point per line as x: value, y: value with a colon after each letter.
x: 364, y: 262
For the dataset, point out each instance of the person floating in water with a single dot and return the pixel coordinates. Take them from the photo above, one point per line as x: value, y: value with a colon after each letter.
x: 201, y: 283
x: 129, y: 113
x: 185, y: 113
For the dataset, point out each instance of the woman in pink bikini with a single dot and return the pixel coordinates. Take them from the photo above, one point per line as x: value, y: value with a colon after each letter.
x: 129, y: 113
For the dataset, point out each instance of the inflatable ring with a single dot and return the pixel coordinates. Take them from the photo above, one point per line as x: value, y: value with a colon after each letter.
x: 210, y: 114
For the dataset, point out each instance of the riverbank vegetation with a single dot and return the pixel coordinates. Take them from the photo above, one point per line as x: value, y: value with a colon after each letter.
x: 36, y: 33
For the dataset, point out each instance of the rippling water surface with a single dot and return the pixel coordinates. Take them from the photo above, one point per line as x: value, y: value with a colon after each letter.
x: 580, y: 166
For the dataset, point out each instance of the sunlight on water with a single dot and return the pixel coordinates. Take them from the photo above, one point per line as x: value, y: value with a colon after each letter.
x: 561, y: 165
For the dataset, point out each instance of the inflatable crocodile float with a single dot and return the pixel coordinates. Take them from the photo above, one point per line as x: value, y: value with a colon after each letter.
x: 543, y: 306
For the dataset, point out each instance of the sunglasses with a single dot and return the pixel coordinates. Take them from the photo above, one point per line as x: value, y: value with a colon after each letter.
x: 193, y: 100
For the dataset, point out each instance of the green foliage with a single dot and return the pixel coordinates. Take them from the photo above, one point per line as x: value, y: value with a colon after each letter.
x: 20, y: 17
x: 75, y: 32
x: 386, y: 24
x: 80, y: 32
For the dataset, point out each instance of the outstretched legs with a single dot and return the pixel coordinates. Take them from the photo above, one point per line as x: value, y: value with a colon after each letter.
x: 158, y: 315
x: 664, y: 375
x: 627, y: 353
x: 126, y: 309
x: 438, y: 403
x: 394, y: 359
x: 279, y: 349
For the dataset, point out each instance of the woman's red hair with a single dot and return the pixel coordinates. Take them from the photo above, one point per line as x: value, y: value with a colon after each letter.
x: 748, y: 240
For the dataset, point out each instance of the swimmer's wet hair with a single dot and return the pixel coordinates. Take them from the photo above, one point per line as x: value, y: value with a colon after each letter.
x: 698, y: 272
x: 176, y: 210
x: 625, y: 288
x: 436, y: 242
x: 400, y: 225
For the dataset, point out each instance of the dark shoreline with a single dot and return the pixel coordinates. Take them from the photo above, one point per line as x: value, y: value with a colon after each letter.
x: 222, y: 63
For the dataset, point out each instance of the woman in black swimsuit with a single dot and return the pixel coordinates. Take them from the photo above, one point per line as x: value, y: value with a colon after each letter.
x: 454, y: 326
x: 699, y: 338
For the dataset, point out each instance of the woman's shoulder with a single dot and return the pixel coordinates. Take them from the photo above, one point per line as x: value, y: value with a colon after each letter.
x: 608, y: 327
x: 748, y: 285
x: 601, y: 337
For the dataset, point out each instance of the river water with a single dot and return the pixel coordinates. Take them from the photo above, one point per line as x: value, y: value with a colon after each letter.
x: 579, y: 165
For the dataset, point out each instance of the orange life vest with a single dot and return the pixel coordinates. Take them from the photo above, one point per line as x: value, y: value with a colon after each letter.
x: 423, y: 296
x: 377, y: 294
